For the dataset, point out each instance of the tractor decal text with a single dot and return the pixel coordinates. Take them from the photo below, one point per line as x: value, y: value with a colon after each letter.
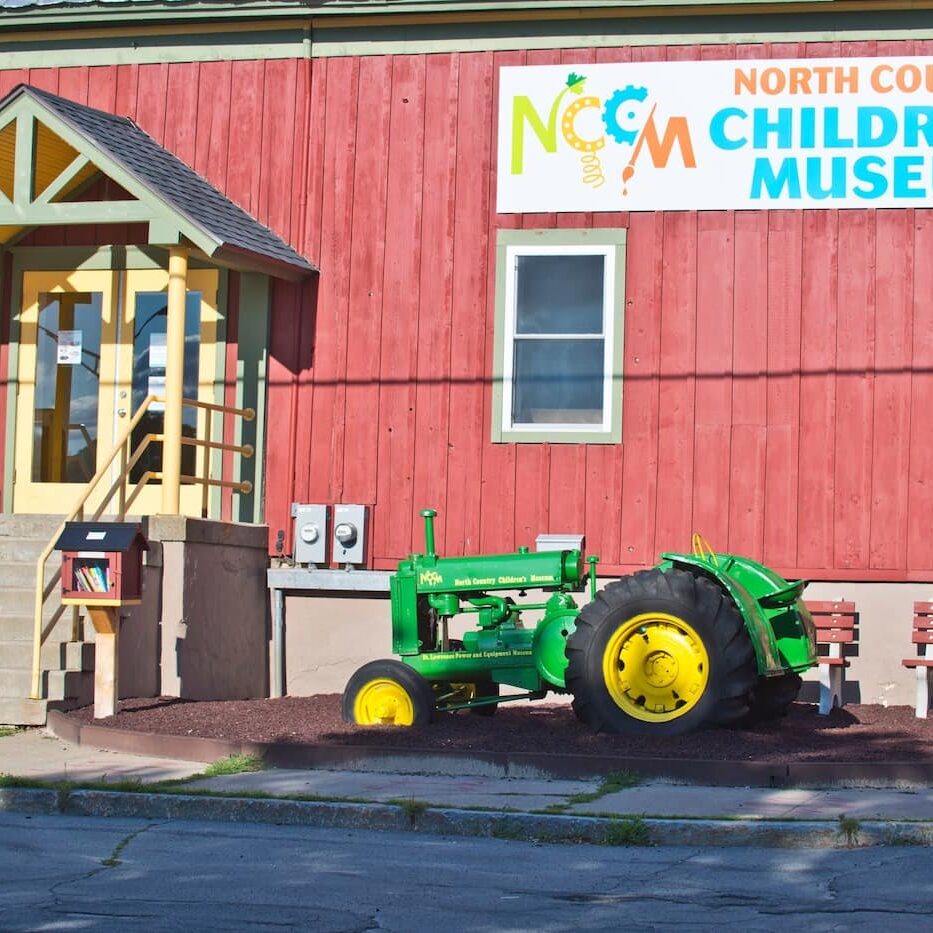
x: 476, y: 655
x: 430, y: 578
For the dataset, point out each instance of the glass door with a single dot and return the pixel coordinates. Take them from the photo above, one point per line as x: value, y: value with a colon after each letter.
x: 92, y: 347
x: 142, y: 373
x: 66, y: 388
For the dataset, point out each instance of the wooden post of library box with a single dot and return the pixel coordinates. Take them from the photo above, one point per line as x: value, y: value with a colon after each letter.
x: 102, y: 570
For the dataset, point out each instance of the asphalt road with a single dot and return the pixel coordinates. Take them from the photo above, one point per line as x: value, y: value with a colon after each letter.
x: 94, y: 874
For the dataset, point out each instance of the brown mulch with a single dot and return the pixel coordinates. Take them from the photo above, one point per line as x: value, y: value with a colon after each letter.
x: 856, y: 733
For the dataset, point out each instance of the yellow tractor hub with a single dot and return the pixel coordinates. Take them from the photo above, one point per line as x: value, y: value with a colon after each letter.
x: 655, y: 667
x: 383, y: 702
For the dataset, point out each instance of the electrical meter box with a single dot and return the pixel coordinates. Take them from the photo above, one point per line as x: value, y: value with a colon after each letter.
x: 349, y: 534
x: 102, y: 563
x: 310, y: 533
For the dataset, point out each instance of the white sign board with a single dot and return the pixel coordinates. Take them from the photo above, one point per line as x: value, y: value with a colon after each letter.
x: 716, y: 135
x: 69, y: 348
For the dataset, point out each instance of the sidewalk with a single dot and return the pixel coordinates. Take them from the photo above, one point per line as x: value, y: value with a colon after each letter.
x: 465, y: 804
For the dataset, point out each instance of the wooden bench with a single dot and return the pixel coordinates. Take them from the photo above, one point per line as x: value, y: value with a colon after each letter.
x: 835, y: 628
x: 922, y: 637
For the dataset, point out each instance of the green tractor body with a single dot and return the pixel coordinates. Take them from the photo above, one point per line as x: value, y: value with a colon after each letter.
x: 699, y: 639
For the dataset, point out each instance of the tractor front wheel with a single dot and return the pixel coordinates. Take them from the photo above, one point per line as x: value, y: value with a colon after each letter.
x: 388, y: 693
x: 660, y: 653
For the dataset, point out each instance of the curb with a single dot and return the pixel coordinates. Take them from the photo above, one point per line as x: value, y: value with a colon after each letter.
x: 529, y: 827
x: 497, y: 764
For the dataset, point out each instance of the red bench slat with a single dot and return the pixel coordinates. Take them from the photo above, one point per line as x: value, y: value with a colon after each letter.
x: 923, y: 623
x: 830, y: 636
x: 834, y: 662
x: 921, y: 637
x: 917, y: 662
x: 837, y: 607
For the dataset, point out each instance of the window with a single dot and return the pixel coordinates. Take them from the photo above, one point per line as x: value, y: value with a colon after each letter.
x: 558, y: 346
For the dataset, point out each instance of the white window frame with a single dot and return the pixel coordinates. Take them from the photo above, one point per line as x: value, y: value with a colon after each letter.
x: 511, y: 244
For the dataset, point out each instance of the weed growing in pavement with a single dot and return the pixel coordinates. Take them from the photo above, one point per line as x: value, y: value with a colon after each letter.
x: 849, y: 829
x: 612, y: 782
x: 413, y: 808
x: 627, y: 831
x: 234, y: 764
x: 9, y: 730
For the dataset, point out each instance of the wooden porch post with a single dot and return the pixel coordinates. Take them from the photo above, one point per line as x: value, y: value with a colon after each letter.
x: 174, y: 379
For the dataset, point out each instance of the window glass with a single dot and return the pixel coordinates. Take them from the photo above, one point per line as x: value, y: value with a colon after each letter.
x: 67, y: 383
x: 558, y: 381
x: 149, y: 357
x: 559, y: 294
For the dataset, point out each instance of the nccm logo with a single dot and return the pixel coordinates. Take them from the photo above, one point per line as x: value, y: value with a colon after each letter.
x: 430, y: 578
x: 623, y: 118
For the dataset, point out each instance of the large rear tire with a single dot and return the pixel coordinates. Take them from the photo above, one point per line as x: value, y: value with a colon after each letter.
x: 772, y: 697
x: 388, y: 693
x: 660, y: 654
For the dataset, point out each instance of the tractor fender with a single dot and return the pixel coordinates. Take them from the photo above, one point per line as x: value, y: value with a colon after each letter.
x: 757, y: 622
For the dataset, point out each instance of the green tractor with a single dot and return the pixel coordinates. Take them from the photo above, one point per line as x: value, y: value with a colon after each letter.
x: 699, y: 639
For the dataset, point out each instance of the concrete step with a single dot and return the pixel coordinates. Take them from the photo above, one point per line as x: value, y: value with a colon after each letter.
x: 25, y: 549
x: 21, y: 711
x: 76, y: 688
x: 22, y: 573
x: 68, y: 656
x: 29, y: 526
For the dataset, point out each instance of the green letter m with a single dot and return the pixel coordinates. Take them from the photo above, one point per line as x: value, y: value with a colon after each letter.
x: 522, y: 112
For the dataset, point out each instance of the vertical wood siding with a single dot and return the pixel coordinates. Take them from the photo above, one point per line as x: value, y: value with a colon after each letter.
x: 778, y: 370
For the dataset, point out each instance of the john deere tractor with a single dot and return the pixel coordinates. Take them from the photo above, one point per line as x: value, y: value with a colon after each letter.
x: 699, y: 639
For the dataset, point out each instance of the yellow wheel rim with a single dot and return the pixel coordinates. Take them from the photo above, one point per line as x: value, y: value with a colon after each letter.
x: 383, y: 702
x: 655, y: 667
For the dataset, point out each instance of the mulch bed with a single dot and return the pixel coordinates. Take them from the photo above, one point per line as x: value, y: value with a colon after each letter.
x: 858, y: 733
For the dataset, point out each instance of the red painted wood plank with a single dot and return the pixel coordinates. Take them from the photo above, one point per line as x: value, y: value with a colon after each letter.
x: 678, y: 382
x: 497, y: 521
x: 399, y: 359
x: 640, y: 408
x: 326, y: 437
x: 10, y: 78
x: 102, y: 88
x: 890, y: 455
x: 308, y: 242
x: 370, y: 318
x: 73, y: 84
x: 920, y: 491
x: 151, y: 100
x: 469, y: 366
x: 855, y: 342
x: 749, y: 385
x: 435, y: 288
x: 5, y: 297
x: 785, y: 248
x: 815, y: 488
x: 532, y: 491
x: 713, y: 412
x: 303, y: 143
x: 212, y: 144
x: 246, y: 127
x: 277, y: 156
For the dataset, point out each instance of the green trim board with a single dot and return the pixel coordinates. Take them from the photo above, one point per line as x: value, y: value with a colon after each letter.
x: 612, y: 237
x: 253, y: 328
x: 348, y: 32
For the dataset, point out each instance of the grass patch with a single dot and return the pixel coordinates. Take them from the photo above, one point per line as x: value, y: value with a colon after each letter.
x: 234, y: 764
x: 10, y: 730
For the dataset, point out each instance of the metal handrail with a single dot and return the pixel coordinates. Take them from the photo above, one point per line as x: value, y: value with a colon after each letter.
x: 43, y: 590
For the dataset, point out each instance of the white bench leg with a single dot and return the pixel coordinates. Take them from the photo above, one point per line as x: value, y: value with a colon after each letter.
x: 923, y: 691
x: 830, y: 687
